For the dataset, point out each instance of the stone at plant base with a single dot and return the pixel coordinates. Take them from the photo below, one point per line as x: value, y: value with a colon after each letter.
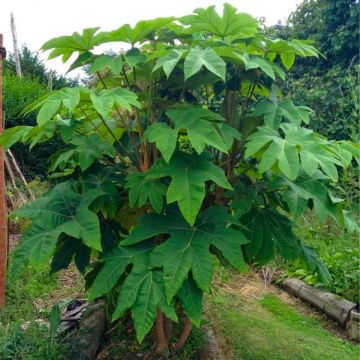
x: 92, y: 327
x: 210, y: 349
x: 354, y: 326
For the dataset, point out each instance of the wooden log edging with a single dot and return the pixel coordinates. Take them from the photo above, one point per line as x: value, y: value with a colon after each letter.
x: 333, y: 306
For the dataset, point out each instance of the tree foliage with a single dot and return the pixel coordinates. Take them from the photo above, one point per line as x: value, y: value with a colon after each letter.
x: 183, y: 152
x: 329, y: 86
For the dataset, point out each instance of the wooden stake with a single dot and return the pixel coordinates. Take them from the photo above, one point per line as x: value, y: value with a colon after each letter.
x: 3, y: 211
x: 12, y: 180
x: 16, y: 49
x: 18, y: 172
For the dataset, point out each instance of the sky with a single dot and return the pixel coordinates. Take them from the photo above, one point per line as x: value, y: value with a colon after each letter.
x: 40, y: 20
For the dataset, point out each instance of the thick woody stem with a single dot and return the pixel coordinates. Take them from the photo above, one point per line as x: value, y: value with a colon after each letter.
x: 168, y: 328
x: 161, y: 343
x: 184, y: 335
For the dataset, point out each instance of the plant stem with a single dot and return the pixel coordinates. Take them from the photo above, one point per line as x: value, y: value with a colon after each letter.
x: 184, y: 335
x: 101, y: 79
x: 161, y: 342
x: 168, y: 328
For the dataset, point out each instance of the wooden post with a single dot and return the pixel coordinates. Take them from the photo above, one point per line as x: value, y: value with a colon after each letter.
x: 3, y: 211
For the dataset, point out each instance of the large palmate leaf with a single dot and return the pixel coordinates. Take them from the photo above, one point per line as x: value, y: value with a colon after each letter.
x: 231, y: 23
x: 66, y: 99
x: 202, y: 126
x: 256, y: 62
x: 114, y: 266
x: 103, y: 62
x: 299, y: 192
x: 85, y: 151
x: 11, y: 136
x: 274, y: 111
x: 63, y: 210
x: 169, y: 61
x: 191, y: 298
x: 143, y: 30
x: 65, y: 46
x: 314, y: 151
x: 187, y: 188
x: 268, y: 230
x: 104, y: 179
x: 188, y: 247
x: 105, y: 100
x: 197, y: 58
x: 69, y: 248
x: 144, y: 186
x: 143, y: 292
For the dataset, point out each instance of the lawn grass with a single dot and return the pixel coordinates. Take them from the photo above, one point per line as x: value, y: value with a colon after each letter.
x: 266, y: 328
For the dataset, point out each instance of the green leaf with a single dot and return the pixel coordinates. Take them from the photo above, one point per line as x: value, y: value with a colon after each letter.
x: 287, y: 59
x: 300, y: 191
x: 267, y: 230
x: 197, y: 58
x: 169, y: 61
x: 65, y: 46
x: 200, y: 127
x: 66, y: 98
x: 105, y: 101
x: 115, y: 264
x: 67, y: 248
x: 104, y: 179
x: 274, y: 112
x: 272, y: 149
x: 238, y: 25
x: 189, y: 174
x: 203, y: 128
x: 13, y: 135
x: 142, y: 31
x: 63, y: 210
x: 43, y: 236
x: 142, y: 187
x: 105, y: 61
x: 187, y: 188
x: 134, y: 57
x: 90, y: 148
x: 143, y: 291
x: 257, y: 62
x: 314, y: 263
x: 191, y: 298
x: 164, y: 137
x: 188, y: 248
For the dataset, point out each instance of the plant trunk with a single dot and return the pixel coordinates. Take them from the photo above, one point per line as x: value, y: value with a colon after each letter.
x: 184, y: 335
x: 168, y: 328
x: 161, y: 342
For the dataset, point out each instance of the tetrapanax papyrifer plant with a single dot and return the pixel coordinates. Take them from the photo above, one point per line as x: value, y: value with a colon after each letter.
x: 181, y: 151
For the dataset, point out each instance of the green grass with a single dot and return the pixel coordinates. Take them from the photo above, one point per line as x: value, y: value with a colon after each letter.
x: 268, y: 329
x: 28, y: 299
x: 339, y: 251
